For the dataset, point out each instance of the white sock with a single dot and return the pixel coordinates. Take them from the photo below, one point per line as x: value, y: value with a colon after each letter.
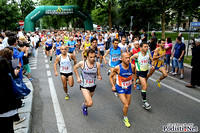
x: 125, y: 117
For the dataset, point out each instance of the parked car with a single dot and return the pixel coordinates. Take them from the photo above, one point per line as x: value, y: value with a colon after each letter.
x: 180, y: 29
x: 192, y: 29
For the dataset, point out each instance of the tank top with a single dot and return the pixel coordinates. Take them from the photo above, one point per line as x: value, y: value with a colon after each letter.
x: 101, y: 45
x: 88, y: 75
x: 66, y: 39
x: 87, y: 45
x: 142, y: 62
x: 58, y: 45
x: 71, y: 43
x: 134, y: 52
x: 160, y: 61
x: 115, y: 55
x: 65, y: 64
x: 124, y: 78
x: 49, y: 41
x: 123, y: 47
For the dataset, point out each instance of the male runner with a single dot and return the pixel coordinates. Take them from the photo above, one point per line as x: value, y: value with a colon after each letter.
x: 101, y: 47
x: 124, y: 73
x: 115, y: 56
x: 48, y: 45
x: 123, y: 44
x: 159, y: 57
x: 57, y: 45
x: 142, y: 59
x: 71, y: 45
x: 90, y: 69
x: 66, y: 70
x: 85, y: 44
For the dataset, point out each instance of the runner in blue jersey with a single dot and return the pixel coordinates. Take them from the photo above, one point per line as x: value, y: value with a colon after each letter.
x: 124, y: 75
x: 115, y: 56
x: 71, y: 46
x: 48, y: 45
x: 57, y: 45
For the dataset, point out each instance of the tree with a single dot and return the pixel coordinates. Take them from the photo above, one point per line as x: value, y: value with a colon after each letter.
x: 9, y: 15
x: 26, y: 6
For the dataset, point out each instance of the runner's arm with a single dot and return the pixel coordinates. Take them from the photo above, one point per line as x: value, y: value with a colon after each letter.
x: 113, y: 73
x: 99, y: 77
x: 82, y: 46
x: 80, y: 64
x: 155, y: 55
x: 133, y: 57
x: 104, y: 57
x: 55, y: 65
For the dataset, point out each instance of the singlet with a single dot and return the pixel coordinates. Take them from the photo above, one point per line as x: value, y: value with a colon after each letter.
x: 86, y: 45
x: 115, y: 55
x: 123, y: 47
x: 48, y: 41
x: 58, y: 45
x: 101, y: 45
x: 124, y: 78
x: 71, y: 43
x: 66, y: 39
x: 88, y: 75
x: 65, y: 64
x: 142, y: 62
x: 134, y: 52
x: 160, y: 62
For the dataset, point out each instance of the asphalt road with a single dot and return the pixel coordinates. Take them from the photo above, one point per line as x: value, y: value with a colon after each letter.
x: 172, y: 103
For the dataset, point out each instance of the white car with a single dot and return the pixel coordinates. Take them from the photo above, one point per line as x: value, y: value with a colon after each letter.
x: 180, y: 29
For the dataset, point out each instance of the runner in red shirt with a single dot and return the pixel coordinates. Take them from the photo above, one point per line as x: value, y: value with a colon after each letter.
x: 135, y: 50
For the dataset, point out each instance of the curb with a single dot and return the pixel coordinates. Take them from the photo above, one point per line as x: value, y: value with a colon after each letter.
x: 25, y: 111
x: 187, y: 66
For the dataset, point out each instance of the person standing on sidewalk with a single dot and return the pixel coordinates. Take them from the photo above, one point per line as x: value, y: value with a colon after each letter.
x: 178, y: 57
x: 195, y: 63
x: 168, y: 48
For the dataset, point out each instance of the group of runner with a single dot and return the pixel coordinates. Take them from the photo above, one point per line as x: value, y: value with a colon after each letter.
x: 128, y: 64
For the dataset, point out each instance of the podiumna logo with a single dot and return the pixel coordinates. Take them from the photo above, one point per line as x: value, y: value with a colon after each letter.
x: 59, y: 9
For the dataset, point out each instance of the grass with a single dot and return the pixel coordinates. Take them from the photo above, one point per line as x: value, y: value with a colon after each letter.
x: 187, y: 60
x: 174, y: 35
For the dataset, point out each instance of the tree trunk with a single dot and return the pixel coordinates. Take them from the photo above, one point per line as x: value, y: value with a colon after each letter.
x: 109, y: 15
x: 163, y: 24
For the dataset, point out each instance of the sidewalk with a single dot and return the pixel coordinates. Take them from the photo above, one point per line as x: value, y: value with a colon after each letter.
x: 25, y: 111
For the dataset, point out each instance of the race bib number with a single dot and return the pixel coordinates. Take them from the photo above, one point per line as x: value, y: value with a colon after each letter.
x: 65, y: 68
x: 161, y: 58
x: 125, y: 85
x: 72, y: 46
x: 143, y: 62
x: 114, y: 59
x: 89, y: 82
x: 58, y: 47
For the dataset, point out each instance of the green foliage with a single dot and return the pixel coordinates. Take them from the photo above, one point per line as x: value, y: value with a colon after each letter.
x: 26, y: 7
x: 9, y: 15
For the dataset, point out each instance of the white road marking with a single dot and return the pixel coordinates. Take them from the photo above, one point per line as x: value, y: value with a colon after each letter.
x: 45, y: 56
x: 33, y: 68
x: 46, y: 60
x: 178, y: 91
x: 47, y: 66
x: 48, y: 73
x: 59, y: 117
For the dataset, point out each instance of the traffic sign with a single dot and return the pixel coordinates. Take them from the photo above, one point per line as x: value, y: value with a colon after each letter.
x: 195, y: 24
x: 21, y: 22
x: 98, y: 27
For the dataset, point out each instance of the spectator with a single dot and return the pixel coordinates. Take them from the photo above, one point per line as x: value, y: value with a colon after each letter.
x: 182, y: 38
x: 17, y: 56
x: 195, y: 63
x: 5, y: 40
x: 33, y: 44
x: 178, y: 56
x: 168, y: 47
x: 153, y: 41
x: 8, y: 102
x: 144, y: 36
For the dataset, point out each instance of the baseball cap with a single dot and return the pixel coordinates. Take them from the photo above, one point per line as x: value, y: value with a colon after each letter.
x: 48, y: 33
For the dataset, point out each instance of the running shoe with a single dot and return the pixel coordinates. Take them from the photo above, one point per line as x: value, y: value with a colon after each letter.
x: 31, y: 79
x: 146, y: 105
x: 174, y: 74
x: 137, y: 86
x: 158, y: 82
x: 126, y: 122
x: 50, y: 61
x: 108, y: 72
x: 84, y: 109
x: 67, y: 97
x: 101, y: 65
x: 116, y: 94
